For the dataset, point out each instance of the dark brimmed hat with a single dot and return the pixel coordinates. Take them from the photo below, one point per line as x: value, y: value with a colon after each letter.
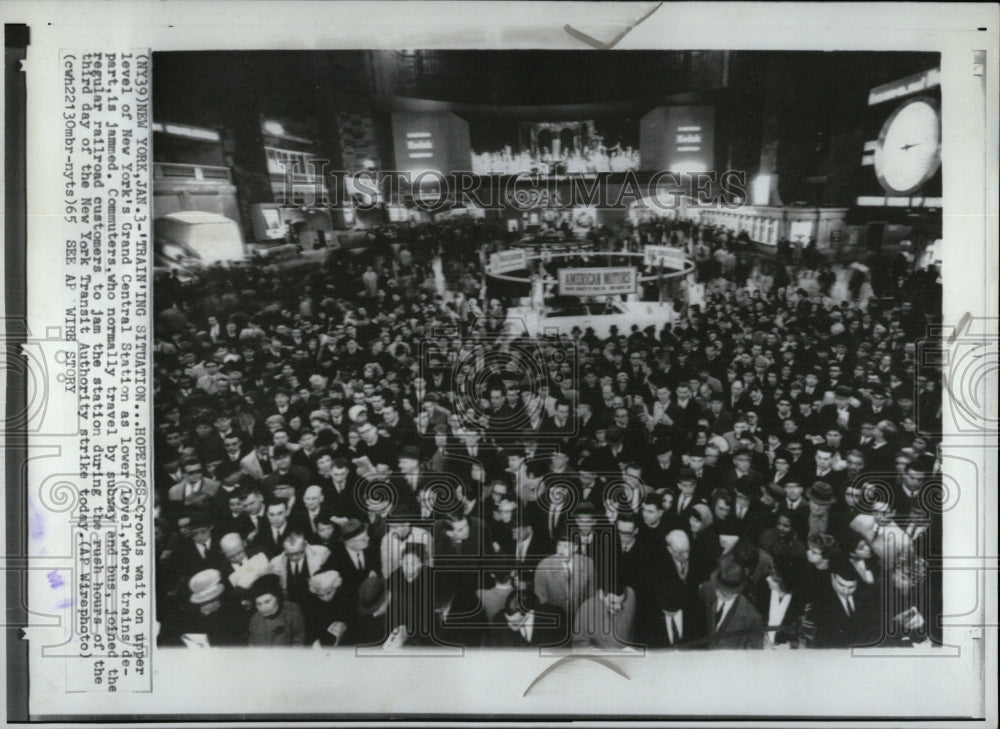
x: 351, y: 529
x: 269, y: 584
x: 664, y: 445
x: 730, y: 577
x: 730, y: 527
x: 411, y: 452
x: 371, y: 594
x: 821, y: 492
x: 687, y: 474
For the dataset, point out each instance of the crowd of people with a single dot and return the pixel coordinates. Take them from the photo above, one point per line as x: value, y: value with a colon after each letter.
x: 346, y: 457
x: 544, y: 161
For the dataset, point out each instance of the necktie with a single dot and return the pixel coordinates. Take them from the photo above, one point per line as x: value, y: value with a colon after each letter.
x: 677, y: 628
x: 201, y: 550
x: 719, y: 613
x: 682, y: 570
x: 359, y: 560
x: 850, y: 607
x: 277, y: 537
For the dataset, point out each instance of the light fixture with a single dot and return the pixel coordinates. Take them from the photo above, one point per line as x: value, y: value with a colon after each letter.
x: 273, y: 127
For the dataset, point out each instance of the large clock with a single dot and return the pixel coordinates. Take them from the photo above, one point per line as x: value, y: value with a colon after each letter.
x: 908, y: 152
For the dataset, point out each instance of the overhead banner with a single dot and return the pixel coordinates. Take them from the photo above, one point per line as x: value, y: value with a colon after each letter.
x: 515, y: 259
x: 664, y: 256
x: 597, y: 281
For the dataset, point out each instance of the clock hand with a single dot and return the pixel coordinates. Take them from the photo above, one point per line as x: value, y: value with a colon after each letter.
x: 908, y: 146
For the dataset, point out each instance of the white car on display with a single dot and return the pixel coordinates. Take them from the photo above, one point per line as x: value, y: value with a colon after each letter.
x: 600, y: 316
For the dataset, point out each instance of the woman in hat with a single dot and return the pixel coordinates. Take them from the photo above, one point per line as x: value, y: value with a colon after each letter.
x: 214, y: 614
x: 276, y: 621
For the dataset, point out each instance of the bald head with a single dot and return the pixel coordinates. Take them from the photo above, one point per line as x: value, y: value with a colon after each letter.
x: 325, y: 582
x: 679, y: 545
x: 312, y: 497
x: 232, y: 547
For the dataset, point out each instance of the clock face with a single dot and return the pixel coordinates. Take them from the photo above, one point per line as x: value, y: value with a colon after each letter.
x: 908, y: 152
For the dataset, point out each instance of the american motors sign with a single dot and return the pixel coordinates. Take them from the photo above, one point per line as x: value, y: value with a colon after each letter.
x: 597, y: 281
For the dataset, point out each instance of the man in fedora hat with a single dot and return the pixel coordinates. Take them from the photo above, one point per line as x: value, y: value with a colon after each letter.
x: 411, y: 480
x: 843, y: 616
x: 827, y: 515
x: 732, y: 620
x: 355, y: 557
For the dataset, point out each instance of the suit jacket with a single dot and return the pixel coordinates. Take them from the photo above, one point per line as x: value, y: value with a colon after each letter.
x: 741, y: 628
x: 541, y: 521
x: 340, y: 503
x: 668, y: 575
x: 265, y: 542
x: 834, y: 628
x: 352, y: 577
x: 551, y: 629
x: 881, y: 459
x: 245, y: 526
x: 317, y: 558
x: 321, y: 615
x: 829, y: 418
x: 458, y: 461
x: 228, y: 466
x: 654, y: 634
x: 188, y: 560
x: 535, y: 552
x: 407, y: 497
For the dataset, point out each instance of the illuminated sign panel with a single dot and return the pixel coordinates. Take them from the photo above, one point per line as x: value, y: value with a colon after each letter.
x: 597, y: 281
